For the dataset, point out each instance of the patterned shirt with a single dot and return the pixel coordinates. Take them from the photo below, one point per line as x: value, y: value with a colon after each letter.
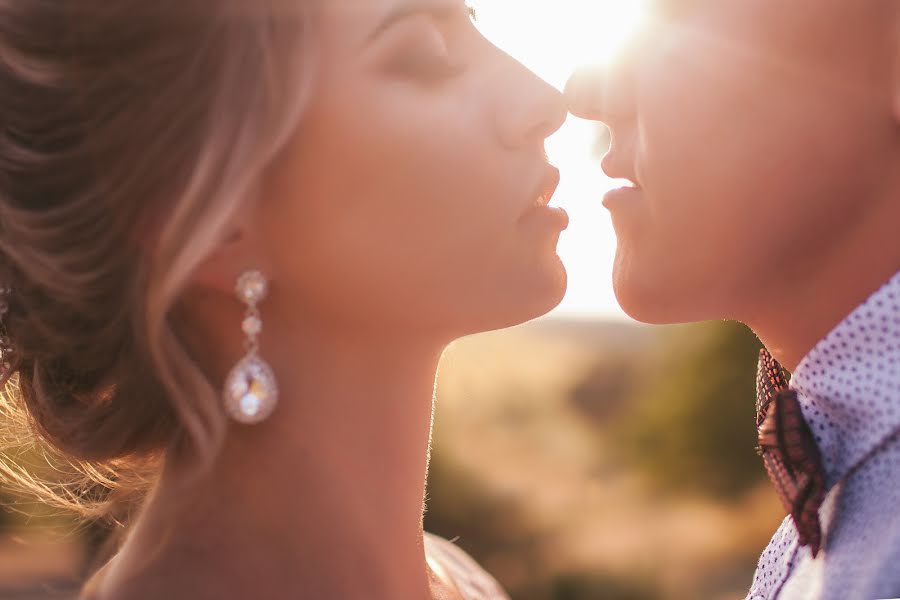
x: 849, y: 391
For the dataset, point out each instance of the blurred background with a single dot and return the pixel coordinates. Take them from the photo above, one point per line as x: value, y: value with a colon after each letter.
x: 576, y: 459
x: 580, y: 456
x: 583, y: 459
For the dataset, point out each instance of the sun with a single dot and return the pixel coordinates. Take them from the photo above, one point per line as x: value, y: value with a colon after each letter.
x: 598, y: 29
x: 554, y: 36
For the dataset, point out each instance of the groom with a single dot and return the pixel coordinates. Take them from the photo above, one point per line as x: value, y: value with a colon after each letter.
x: 762, y: 140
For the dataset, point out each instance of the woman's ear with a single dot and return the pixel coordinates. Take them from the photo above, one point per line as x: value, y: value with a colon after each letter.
x: 240, y: 248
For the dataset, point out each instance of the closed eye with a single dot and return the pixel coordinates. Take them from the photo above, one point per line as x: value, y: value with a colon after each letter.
x: 439, y: 10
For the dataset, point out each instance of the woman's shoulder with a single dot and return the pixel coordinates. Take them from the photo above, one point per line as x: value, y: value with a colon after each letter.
x: 473, y: 582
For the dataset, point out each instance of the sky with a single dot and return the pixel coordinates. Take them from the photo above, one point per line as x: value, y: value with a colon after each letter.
x: 552, y: 37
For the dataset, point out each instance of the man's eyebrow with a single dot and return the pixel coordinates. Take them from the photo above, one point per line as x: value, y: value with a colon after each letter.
x: 437, y: 9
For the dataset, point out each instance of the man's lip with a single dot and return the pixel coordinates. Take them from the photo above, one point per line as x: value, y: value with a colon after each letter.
x: 615, y: 168
x: 621, y: 196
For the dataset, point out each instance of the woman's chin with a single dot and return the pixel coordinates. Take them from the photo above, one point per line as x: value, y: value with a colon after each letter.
x: 528, y: 298
x: 505, y: 299
x: 550, y: 283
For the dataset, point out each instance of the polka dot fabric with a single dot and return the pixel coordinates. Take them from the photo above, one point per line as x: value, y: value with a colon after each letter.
x: 849, y: 392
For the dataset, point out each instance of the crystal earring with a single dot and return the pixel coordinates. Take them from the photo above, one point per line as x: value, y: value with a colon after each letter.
x: 251, y: 392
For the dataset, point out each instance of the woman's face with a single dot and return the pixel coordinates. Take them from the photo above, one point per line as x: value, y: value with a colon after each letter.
x: 758, y: 132
x: 407, y: 196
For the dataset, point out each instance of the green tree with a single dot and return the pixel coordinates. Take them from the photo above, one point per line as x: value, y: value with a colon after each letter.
x: 692, y: 423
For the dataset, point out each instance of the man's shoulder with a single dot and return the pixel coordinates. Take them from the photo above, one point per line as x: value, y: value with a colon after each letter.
x: 861, y: 525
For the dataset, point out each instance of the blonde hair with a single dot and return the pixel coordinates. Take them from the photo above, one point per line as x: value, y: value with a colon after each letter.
x: 130, y: 134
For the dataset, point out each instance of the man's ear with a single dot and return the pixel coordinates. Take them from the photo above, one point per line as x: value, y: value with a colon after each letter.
x: 895, y: 79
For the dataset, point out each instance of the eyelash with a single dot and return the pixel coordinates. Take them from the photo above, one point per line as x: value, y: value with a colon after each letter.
x: 427, y: 67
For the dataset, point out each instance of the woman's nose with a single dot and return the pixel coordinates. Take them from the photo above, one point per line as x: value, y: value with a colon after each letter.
x: 532, y: 111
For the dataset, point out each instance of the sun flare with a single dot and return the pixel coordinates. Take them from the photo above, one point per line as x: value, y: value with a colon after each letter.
x: 598, y: 29
x: 553, y: 37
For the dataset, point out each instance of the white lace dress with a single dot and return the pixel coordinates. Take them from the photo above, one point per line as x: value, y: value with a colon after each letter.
x: 473, y: 582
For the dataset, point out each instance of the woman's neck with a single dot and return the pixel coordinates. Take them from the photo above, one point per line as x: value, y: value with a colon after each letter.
x: 326, y: 497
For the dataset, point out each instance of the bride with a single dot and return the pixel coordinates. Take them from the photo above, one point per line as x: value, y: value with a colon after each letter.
x: 235, y: 238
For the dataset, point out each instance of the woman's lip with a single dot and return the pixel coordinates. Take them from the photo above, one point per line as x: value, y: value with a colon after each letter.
x: 544, y: 192
x: 551, y: 183
x: 553, y: 216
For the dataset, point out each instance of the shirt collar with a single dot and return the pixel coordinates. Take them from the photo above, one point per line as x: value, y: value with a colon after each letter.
x: 849, y: 384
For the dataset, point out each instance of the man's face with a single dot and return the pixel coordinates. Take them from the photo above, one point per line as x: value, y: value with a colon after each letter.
x: 761, y: 137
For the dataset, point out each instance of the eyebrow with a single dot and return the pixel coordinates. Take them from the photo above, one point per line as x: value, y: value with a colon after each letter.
x: 436, y: 9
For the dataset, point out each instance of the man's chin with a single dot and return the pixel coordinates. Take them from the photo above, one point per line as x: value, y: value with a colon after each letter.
x: 654, y: 303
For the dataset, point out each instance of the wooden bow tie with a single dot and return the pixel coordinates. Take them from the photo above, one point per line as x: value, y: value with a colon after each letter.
x: 789, y: 451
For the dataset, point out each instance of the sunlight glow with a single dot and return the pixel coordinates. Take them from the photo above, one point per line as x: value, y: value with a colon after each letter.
x: 553, y: 37
x: 564, y: 32
x: 599, y: 29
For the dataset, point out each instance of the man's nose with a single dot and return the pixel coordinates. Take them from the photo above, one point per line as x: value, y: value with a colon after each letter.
x: 604, y: 93
x: 584, y: 93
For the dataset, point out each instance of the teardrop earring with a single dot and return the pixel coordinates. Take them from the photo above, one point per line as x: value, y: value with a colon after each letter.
x: 251, y: 391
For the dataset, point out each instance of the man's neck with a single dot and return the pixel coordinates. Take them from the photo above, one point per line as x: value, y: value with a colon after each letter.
x: 793, y: 316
